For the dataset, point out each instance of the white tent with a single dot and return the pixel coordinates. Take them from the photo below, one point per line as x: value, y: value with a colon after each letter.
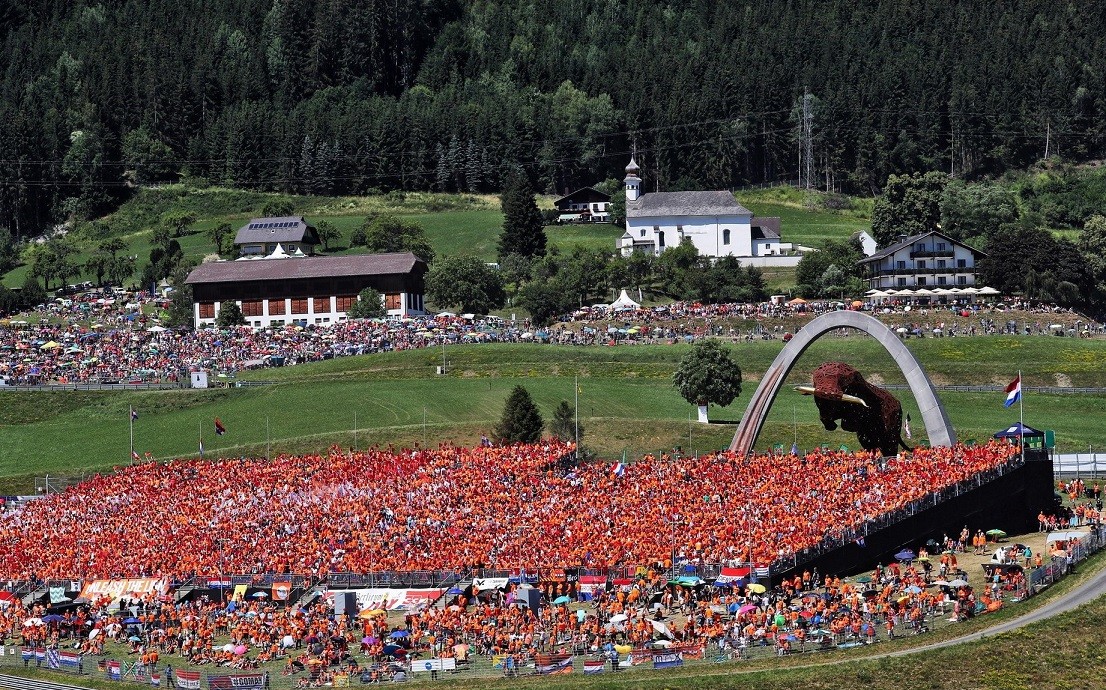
x: 624, y: 302
x: 279, y: 253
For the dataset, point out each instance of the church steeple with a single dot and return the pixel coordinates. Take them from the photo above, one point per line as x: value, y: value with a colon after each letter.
x: 632, y: 181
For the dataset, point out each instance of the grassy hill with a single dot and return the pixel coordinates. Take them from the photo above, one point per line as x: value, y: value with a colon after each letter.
x: 627, y: 401
x: 455, y: 223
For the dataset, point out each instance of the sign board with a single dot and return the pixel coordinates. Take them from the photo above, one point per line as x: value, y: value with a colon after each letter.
x: 199, y: 379
x: 425, y: 665
x: 1050, y: 438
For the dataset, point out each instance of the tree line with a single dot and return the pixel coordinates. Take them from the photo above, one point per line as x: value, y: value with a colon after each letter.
x: 349, y: 96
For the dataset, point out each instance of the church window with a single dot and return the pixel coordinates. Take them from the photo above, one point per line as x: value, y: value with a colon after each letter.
x: 725, y: 237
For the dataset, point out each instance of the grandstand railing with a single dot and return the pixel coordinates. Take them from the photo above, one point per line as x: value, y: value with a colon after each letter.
x: 831, y: 542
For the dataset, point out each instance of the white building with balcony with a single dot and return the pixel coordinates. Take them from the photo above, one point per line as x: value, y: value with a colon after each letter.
x: 930, y: 260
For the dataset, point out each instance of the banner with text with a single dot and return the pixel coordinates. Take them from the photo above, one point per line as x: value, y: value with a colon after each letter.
x: 116, y: 589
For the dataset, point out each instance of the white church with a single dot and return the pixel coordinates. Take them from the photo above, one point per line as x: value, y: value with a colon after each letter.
x: 713, y: 221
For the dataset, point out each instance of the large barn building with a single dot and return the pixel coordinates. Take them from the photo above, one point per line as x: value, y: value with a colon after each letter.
x: 305, y: 291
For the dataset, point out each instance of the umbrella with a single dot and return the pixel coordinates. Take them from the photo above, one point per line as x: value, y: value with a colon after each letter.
x: 562, y: 600
x: 863, y: 579
x: 32, y: 621
x: 391, y: 649
x: 93, y: 634
x: 52, y: 618
x: 240, y: 650
x: 454, y: 591
x: 996, y: 533
x: 905, y: 555
x: 398, y: 634
x: 228, y: 647
x: 941, y: 583
x: 619, y: 618
x: 914, y: 589
x: 134, y: 638
x: 259, y: 595
x: 132, y: 621
x: 747, y: 608
x: 757, y: 588
x: 958, y: 583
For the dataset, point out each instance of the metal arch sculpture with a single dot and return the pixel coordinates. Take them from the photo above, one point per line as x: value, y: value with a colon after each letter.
x: 936, y: 420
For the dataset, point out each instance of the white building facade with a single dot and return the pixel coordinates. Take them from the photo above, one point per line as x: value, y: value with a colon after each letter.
x: 713, y: 221
x: 929, y: 260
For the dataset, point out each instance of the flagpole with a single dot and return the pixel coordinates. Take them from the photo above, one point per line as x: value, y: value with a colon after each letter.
x: 1021, y: 416
x: 130, y: 417
x: 200, y: 429
x: 267, y: 447
x: 576, y: 388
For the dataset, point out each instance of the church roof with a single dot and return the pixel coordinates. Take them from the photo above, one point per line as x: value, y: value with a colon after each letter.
x: 685, y: 204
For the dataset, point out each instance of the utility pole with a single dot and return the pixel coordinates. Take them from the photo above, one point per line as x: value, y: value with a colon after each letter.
x: 806, y: 154
x: 1048, y: 137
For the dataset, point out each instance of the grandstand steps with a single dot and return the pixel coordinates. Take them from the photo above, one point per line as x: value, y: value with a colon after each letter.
x: 37, y: 595
x: 309, y: 595
x: 445, y: 598
x: 183, y: 593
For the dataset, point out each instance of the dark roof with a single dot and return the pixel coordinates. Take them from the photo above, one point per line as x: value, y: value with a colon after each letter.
x: 311, y: 267
x: 282, y: 229
x: 888, y: 251
x: 685, y: 204
x: 588, y: 194
x: 765, y: 228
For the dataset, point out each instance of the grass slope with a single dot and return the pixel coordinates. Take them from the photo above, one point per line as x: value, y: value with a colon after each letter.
x: 627, y: 402
x: 455, y: 223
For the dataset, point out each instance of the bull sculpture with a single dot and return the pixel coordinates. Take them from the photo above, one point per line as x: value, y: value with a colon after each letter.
x: 873, y: 414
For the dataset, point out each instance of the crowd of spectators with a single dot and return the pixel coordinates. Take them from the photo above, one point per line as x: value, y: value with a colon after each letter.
x: 453, y: 508
x: 107, y: 337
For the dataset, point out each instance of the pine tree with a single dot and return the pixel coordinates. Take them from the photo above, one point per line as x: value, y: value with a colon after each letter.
x: 521, y: 421
x: 523, y: 228
x: 563, y: 425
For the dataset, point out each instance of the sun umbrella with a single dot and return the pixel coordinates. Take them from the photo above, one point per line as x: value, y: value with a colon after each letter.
x: 863, y: 579
x: 562, y: 600
x: 746, y: 609
x: 454, y: 591
x: 259, y: 595
x: 228, y: 647
x: 52, y: 618
x: 905, y: 555
x: 619, y: 618
x: 398, y: 634
x: 757, y: 588
x: 132, y: 621
x: 941, y: 583
x: 996, y: 533
x: 93, y: 634
x: 958, y: 583
x: 914, y: 589
x: 240, y: 650
x: 134, y: 638
x: 391, y: 649
x: 32, y: 621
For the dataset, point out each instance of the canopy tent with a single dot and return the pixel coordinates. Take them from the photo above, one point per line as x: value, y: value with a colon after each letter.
x: 1017, y: 429
x: 624, y: 302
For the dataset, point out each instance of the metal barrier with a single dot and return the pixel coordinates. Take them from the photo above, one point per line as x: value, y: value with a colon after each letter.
x: 19, y: 683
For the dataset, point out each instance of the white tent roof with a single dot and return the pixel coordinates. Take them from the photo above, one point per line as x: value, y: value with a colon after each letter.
x: 1065, y: 536
x: 624, y: 302
x: 279, y: 253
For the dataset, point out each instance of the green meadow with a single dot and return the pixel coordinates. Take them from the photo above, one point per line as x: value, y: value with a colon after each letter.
x: 627, y: 402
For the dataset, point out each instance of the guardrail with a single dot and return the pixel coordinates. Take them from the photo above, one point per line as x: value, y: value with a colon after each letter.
x: 19, y: 683
x: 69, y: 387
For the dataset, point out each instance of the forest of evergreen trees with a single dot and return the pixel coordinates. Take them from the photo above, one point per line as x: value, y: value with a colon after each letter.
x: 347, y: 96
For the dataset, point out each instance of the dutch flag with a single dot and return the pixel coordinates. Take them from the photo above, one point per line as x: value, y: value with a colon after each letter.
x: 1014, y: 391
x: 619, y: 469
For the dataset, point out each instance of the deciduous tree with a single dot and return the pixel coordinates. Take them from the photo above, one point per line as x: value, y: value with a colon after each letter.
x: 707, y: 375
